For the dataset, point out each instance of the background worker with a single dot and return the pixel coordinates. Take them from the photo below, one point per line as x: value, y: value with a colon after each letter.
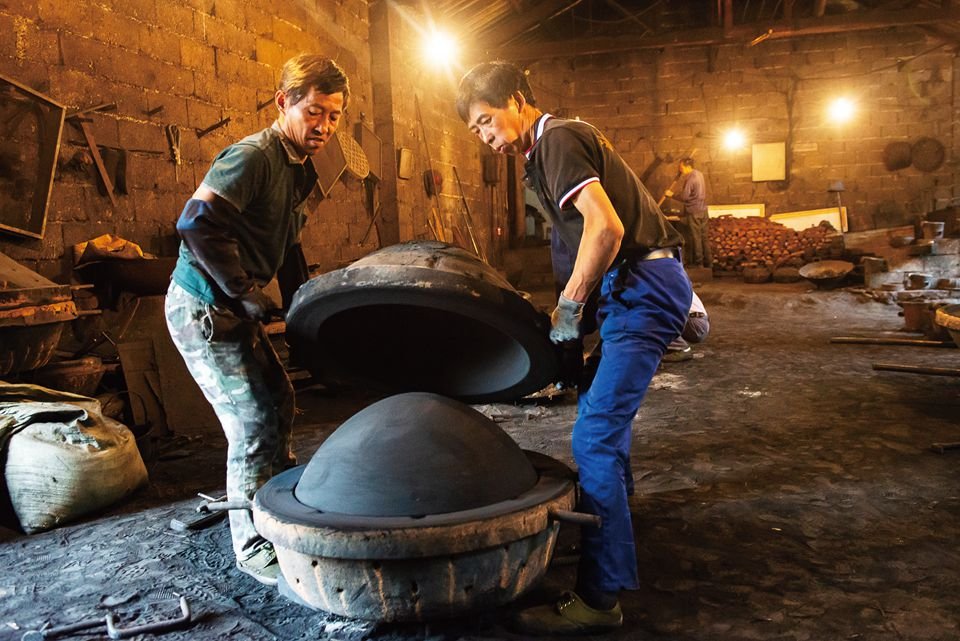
x: 692, y: 192
x: 627, y: 249
x: 695, y: 330
x: 239, y: 229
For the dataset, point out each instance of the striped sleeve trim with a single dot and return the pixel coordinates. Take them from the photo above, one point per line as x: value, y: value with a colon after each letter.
x: 575, y: 190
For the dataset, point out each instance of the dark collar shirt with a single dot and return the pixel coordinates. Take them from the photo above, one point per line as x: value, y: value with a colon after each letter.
x: 568, y: 155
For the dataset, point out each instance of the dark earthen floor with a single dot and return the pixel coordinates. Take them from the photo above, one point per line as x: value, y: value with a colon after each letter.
x: 785, y: 491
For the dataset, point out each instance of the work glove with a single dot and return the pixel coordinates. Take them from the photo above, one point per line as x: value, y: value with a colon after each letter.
x: 565, y: 320
x: 256, y: 305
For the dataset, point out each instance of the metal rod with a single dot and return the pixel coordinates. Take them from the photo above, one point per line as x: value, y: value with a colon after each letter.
x: 435, y: 211
x: 468, y: 218
x: 203, y: 132
x: 105, y: 106
x: 913, y: 369
x: 579, y: 518
x: 867, y: 340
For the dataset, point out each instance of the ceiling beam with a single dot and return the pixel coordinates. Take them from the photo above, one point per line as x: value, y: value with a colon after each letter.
x: 530, y: 19
x: 742, y: 34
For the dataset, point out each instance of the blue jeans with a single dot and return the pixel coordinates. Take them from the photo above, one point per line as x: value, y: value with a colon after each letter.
x: 643, y: 307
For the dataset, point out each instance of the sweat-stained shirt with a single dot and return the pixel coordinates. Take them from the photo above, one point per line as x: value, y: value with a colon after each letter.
x: 566, y: 156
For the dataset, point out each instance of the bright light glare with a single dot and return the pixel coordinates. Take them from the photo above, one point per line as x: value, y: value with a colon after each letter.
x: 440, y: 49
x: 841, y: 110
x: 734, y: 139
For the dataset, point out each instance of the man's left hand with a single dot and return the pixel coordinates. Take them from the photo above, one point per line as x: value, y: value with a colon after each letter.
x: 565, y: 320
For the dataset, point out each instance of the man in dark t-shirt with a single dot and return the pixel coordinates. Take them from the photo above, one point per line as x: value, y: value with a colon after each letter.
x: 239, y: 229
x: 625, y: 246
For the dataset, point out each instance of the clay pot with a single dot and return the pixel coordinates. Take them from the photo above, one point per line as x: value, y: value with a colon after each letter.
x: 932, y: 229
x: 756, y: 275
x: 919, y: 281
x: 916, y: 315
x: 900, y: 240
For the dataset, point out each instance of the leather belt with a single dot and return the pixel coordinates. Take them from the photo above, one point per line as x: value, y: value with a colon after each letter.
x: 665, y: 252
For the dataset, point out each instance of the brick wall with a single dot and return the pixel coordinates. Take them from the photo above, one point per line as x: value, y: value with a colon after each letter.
x: 673, y: 100
x: 443, y: 142
x: 201, y: 61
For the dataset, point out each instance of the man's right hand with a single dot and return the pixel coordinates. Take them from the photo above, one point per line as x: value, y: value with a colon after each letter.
x: 668, y: 193
x: 256, y: 305
x: 565, y: 320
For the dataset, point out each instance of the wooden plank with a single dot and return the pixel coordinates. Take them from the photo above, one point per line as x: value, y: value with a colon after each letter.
x: 97, y: 159
x: 912, y: 369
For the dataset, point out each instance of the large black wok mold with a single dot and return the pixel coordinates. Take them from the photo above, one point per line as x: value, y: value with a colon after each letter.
x: 422, y: 316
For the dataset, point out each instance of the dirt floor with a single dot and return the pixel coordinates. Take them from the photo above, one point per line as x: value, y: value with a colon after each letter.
x: 784, y: 491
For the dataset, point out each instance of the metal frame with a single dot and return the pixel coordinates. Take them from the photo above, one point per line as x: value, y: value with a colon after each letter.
x: 50, y: 124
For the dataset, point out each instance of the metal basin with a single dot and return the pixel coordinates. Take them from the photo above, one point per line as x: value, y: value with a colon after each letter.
x: 416, y: 566
x: 826, y: 274
x: 948, y: 317
x: 422, y: 316
x: 31, y: 323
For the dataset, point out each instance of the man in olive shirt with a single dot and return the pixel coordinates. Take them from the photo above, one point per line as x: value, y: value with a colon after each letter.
x: 239, y: 229
x: 625, y: 246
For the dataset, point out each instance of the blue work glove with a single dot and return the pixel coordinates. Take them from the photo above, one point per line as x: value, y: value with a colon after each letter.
x: 565, y: 320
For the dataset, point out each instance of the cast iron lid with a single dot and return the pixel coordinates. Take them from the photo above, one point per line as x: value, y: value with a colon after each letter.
x: 414, y: 454
x: 422, y: 316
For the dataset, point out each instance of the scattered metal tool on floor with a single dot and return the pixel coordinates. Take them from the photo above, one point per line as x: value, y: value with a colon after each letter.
x: 157, y: 626
x: 203, y: 517
x: 48, y: 633
x: 110, y: 622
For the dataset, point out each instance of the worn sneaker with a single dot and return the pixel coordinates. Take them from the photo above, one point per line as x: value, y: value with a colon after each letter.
x: 261, y: 564
x: 677, y: 355
x: 569, y: 616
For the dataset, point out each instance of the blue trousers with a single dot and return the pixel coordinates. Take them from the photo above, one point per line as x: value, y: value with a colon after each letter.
x: 643, y: 306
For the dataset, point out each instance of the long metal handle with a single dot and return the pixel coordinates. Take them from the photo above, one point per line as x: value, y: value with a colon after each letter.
x: 223, y: 506
x: 580, y: 518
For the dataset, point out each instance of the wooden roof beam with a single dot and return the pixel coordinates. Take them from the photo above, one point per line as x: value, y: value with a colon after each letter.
x: 530, y: 19
x: 857, y: 21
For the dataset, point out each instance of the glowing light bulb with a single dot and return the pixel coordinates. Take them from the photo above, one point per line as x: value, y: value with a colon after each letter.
x: 841, y: 110
x: 734, y: 139
x: 440, y: 49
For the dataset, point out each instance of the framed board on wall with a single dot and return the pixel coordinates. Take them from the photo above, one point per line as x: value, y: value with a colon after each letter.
x: 769, y: 161
x: 30, y: 128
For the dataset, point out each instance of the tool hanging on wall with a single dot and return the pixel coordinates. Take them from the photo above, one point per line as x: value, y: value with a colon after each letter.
x: 435, y: 222
x: 173, y: 139
x: 78, y: 120
x: 468, y: 219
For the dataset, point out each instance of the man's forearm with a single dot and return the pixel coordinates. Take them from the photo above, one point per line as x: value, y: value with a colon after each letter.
x: 206, y: 232
x: 599, y: 244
